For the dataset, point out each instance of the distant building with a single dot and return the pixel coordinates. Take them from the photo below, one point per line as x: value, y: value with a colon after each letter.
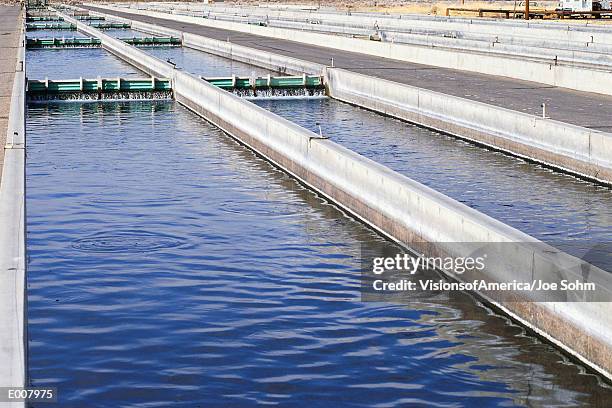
x: 584, y: 5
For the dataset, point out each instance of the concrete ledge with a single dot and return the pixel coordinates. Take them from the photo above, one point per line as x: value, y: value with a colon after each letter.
x: 404, y: 210
x: 545, y: 72
x: 13, y: 333
x: 575, y: 149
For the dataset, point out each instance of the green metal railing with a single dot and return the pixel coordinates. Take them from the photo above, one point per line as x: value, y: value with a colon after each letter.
x: 110, y: 25
x: 48, y: 86
x: 50, y: 26
x: 43, y: 18
x: 89, y: 18
x: 234, y: 82
x: 148, y: 41
x: 73, y: 42
x: 40, y: 14
x: 47, y: 89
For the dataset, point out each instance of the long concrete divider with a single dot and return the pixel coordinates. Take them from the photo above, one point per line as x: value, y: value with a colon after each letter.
x: 573, y: 148
x: 541, y: 71
x: 404, y: 210
x: 13, y: 333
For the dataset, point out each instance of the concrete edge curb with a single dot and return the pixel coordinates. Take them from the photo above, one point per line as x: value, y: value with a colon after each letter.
x: 13, y: 336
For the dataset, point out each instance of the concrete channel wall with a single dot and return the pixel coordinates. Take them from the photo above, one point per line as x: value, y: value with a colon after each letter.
x: 541, y: 71
x: 13, y: 333
x: 404, y: 210
x: 574, y: 149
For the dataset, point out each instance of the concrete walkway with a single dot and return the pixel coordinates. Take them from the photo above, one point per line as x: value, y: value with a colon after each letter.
x: 9, y: 40
x: 578, y: 108
x: 13, y: 333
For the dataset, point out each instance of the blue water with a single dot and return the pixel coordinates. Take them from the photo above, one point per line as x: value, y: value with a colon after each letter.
x: 55, y: 34
x: 168, y: 265
x: 124, y: 33
x: 72, y: 63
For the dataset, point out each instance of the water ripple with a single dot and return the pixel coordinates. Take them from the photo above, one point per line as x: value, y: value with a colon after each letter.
x: 127, y: 241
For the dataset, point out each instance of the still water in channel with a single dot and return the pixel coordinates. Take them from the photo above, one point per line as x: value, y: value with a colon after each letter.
x: 55, y: 34
x: 168, y: 265
x: 124, y: 32
x: 202, y: 64
x: 74, y: 63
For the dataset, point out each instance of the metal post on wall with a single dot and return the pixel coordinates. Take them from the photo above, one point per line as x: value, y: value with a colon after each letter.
x: 527, y: 10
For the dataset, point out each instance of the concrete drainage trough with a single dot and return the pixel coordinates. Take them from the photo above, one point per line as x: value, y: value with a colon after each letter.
x: 574, y: 149
x: 404, y: 210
